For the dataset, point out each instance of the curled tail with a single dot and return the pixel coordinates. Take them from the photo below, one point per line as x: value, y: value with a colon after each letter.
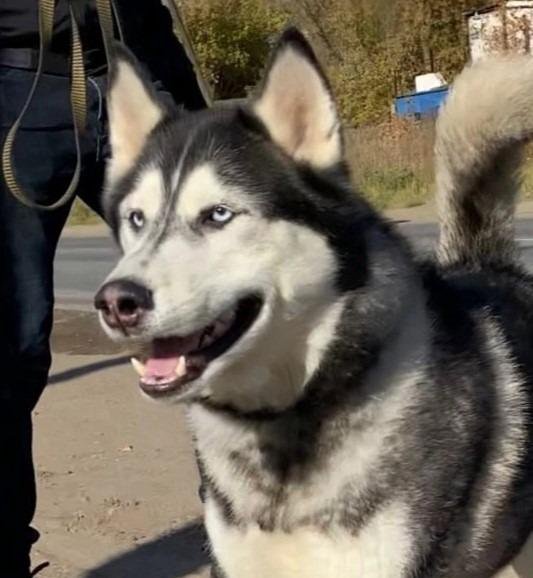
x: 481, y: 132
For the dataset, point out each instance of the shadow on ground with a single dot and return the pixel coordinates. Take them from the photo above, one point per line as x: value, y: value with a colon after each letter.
x: 170, y: 556
x: 85, y: 369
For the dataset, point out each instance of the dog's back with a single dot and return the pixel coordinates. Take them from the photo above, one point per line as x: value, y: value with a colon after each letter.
x: 356, y: 413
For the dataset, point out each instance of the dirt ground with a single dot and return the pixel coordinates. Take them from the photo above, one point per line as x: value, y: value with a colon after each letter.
x: 117, y: 483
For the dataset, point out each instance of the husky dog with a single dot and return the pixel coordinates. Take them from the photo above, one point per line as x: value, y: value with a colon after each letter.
x: 356, y: 413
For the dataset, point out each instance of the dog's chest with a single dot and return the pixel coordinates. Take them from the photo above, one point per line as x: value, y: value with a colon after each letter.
x: 251, y: 480
x: 380, y: 550
x: 261, y: 528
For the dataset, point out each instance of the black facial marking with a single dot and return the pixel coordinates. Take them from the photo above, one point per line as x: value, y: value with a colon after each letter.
x: 243, y: 156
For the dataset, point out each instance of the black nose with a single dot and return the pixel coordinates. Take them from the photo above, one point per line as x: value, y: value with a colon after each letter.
x: 123, y: 303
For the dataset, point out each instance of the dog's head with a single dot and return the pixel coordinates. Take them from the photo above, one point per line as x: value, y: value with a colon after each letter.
x: 239, y: 234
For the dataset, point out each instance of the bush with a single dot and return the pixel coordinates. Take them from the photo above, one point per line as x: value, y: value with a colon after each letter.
x: 394, y: 188
x: 232, y: 39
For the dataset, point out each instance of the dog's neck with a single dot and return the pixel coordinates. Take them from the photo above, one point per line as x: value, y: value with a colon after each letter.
x: 328, y: 347
x: 340, y: 402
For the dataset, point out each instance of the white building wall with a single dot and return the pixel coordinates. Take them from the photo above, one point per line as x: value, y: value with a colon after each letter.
x: 486, y: 30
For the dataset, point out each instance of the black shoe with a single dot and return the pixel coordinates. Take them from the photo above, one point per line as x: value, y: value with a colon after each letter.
x: 15, y: 556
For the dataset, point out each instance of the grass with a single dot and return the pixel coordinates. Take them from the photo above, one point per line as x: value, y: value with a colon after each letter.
x: 392, y: 165
x: 394, y: 188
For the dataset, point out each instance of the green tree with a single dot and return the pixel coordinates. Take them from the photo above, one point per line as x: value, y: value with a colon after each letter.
x: 375, y: 48
x: 372, y: 49
x: 232, y: 39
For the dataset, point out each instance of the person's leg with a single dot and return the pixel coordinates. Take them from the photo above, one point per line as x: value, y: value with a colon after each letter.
x: 27, y: 243
x: 45, y: 158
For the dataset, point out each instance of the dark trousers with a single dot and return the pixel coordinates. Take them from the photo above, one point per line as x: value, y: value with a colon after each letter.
x: 44, y: 159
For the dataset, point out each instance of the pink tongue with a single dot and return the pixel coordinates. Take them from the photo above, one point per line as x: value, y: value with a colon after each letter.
x: 161, y: 366
x: 166, y: 353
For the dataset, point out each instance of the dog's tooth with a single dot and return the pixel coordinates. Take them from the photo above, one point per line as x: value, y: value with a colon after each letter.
x: 181, y: 368
x: 138, y: 366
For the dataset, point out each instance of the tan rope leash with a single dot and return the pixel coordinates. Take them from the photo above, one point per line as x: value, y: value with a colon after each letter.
x: 105, y: 17
x: 78, y: 97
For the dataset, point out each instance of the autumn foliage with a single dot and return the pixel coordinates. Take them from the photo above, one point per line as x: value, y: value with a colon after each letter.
x: 372, y: 49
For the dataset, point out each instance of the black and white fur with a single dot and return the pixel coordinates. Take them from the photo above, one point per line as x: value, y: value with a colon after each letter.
x: 376, y: 419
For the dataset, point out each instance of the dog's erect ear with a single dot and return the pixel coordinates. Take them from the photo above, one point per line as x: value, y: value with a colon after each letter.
x: 296, y: 105
x: 133, y: 111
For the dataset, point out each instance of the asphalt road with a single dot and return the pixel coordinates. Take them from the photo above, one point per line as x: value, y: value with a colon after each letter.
x: 80, y: 267
x: 83, y: 263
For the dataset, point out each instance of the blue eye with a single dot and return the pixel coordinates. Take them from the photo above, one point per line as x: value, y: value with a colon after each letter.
x: 220, y: 215
x: 137, y: 220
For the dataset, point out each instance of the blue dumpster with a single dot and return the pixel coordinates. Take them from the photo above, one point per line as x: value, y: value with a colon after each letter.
x: 421, y: 104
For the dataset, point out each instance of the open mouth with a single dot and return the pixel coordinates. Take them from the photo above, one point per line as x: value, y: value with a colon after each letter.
x: 174, y: 362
